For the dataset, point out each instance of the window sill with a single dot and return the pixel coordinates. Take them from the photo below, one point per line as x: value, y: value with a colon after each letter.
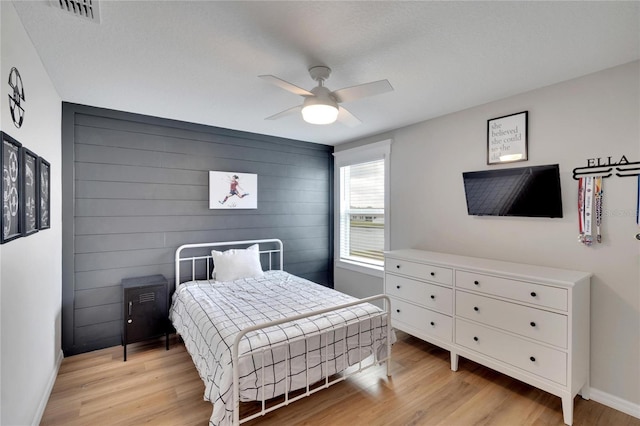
x: 373, y: 270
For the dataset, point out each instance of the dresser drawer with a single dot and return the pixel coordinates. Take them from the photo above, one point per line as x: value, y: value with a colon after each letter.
x: 429, y: 295
x: 429, y: 322
x: 421, y: 271
x: 537, y: 359
x: 534, y: 323
x: 536, y: 294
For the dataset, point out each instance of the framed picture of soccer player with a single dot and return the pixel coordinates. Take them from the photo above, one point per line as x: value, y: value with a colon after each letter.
x: 233, y: 190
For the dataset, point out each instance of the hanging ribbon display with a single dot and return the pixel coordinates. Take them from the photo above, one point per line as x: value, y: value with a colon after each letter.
x: 588, y: 210
x: 581, y: 209
x: 638, y: 208
x: 598, y: 200
x: 638, y: 204
x: 600, y: 168
x: 590, y: 199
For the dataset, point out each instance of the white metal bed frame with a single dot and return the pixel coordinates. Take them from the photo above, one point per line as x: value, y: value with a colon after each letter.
x: 308, y: 390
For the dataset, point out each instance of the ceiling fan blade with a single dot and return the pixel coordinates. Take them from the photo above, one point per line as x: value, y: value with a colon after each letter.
x: 286, y: 112
x: 285, y: 85
x: 345, y: 117
x: 352, y: 93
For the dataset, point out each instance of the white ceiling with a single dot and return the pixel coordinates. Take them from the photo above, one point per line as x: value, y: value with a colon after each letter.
x: 198, y: 61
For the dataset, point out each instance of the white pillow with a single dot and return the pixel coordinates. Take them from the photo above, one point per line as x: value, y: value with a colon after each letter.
x: 234, y: 264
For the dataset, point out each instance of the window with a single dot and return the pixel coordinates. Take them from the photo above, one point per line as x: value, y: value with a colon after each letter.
x: 362, y: 212
x: 362, y: 215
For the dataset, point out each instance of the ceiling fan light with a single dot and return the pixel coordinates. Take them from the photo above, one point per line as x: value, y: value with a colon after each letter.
x: 320, y: 114
x: 320, y: 108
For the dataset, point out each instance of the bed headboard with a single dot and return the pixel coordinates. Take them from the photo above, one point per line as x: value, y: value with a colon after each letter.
x: 197, y: 257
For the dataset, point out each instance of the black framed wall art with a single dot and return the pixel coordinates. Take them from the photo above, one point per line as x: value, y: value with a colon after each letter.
x: 11, y: 221
x: 507, y: 138
x: 30, y: 192
x: 44, y: 194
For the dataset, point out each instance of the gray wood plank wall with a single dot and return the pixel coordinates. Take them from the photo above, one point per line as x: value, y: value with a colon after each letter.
x: 136, y: 187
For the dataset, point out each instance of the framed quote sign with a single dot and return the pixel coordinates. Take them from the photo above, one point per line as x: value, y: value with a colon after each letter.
x: 507, y: 138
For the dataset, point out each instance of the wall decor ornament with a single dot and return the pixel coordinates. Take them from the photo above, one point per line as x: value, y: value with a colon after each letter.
x: 605, y: 166
x: 11, y: 222
x: 233, y: 190
x: 596, y: 170
x: 44, y: 194
x: 507, y: 138
x: 30, y: 195
x: 16, y: 97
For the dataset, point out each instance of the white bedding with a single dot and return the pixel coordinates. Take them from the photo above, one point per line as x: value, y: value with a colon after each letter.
x: 208, y: 314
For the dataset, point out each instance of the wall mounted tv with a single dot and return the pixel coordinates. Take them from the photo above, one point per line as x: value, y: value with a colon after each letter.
x: 522, y: 191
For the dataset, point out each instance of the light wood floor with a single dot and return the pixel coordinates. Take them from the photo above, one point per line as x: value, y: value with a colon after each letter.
x: 161, y: 387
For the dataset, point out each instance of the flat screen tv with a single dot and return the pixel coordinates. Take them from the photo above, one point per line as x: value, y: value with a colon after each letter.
x: 522, y: 191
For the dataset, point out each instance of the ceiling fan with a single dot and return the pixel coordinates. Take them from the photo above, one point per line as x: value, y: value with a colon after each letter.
x: 320, y: 104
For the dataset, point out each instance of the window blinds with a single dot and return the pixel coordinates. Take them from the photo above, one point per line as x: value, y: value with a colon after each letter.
x: 362, y: 212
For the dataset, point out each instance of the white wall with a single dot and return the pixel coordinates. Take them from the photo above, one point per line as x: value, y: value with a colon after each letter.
x: 357, y: 284
x: 597, y: 115
x: 30, y: 274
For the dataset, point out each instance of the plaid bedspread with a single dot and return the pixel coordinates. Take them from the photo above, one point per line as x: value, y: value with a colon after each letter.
x: 209, y: 314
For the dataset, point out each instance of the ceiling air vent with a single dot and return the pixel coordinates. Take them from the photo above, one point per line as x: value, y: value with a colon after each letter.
x: 83, y: 8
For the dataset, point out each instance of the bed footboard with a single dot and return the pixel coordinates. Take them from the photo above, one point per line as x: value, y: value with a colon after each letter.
x: 362, y: 364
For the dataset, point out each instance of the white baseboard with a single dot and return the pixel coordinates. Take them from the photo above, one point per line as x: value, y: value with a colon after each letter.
x: 45, y: 397
x: 616, y: 403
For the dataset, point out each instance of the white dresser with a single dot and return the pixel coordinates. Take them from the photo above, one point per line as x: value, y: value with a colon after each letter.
x: 529, y: 322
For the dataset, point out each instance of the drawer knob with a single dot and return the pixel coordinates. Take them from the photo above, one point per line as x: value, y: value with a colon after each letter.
x: 532, y: 324
x: 475, y: 338
x: 398, y: 266
x: 129, y: 321
x: 398, y: 287
x: 433, y: 297
x: 398, y: 310
x: 476, y: 282
x: 432, y: 323
x: 532, y: 359
x: 533, y: 294
x: 433, y: 274
x: 475, y: 308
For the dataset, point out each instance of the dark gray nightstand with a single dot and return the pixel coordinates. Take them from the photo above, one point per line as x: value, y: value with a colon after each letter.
x: 146, y: 309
